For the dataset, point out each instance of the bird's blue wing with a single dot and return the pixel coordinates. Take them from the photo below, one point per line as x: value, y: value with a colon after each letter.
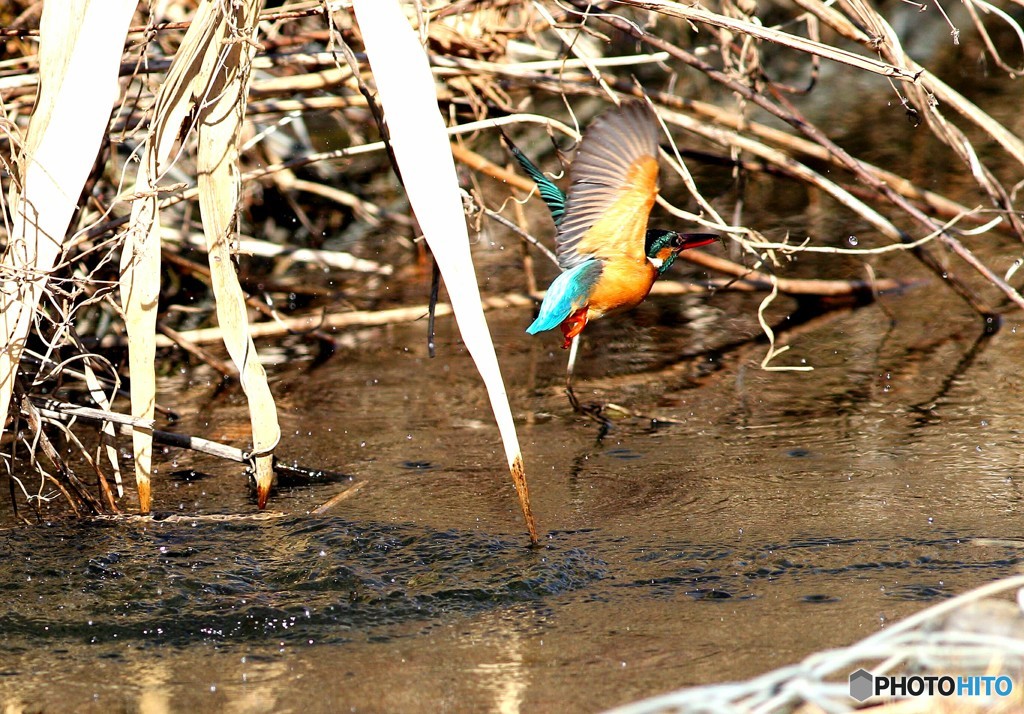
x: 568, y: 293
x: 551, y: 194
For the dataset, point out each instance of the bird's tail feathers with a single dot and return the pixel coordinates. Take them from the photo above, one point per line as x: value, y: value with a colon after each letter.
x: 568, y: 293
x: 551, y: 194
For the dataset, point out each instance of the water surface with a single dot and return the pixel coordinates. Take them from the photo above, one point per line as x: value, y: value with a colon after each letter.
x: 760, y: 517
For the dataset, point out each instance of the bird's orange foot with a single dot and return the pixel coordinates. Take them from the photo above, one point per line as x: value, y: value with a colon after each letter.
x: 573, y: 325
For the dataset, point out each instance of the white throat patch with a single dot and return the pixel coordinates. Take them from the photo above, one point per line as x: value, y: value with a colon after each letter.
x: 656, y: 262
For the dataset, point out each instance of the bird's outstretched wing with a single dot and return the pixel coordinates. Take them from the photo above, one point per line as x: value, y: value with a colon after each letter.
x: 613, y: 184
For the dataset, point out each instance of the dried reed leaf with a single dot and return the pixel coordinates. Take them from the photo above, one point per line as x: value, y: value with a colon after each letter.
x: 140, y: 255
x: 204, y: 78
x: 224, y: 85
x: 421, y: 148
x: 79, y: 58
x: 140, y: 293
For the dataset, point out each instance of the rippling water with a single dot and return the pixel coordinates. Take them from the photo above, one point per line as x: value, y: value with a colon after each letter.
x: 761, y: 517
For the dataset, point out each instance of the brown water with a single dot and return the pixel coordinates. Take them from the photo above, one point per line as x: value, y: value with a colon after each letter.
x: 784, y: 513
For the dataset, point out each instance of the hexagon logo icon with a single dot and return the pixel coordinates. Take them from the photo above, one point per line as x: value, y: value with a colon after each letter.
x: 861, y: 684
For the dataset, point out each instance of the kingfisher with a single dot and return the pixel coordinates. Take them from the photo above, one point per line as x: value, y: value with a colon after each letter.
x: 608, y: 256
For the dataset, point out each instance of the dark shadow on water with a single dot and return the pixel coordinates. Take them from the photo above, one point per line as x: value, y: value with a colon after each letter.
x: 295, y: 580
x: 822, y: 566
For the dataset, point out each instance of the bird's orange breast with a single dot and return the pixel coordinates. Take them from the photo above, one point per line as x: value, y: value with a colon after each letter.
x: 623, y: 284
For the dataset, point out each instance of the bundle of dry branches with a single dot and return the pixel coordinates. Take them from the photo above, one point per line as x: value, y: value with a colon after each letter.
x: 320, y: 223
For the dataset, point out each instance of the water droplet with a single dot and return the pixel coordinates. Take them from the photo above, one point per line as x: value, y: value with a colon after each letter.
x: 852, y: 240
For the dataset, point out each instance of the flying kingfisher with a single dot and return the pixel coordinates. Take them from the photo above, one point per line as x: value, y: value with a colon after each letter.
x: 609, y: 258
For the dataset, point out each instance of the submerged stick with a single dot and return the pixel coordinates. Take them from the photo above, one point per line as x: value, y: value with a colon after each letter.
x: 338, y: 498
x: 749, y: 279
x: 64, y: 412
